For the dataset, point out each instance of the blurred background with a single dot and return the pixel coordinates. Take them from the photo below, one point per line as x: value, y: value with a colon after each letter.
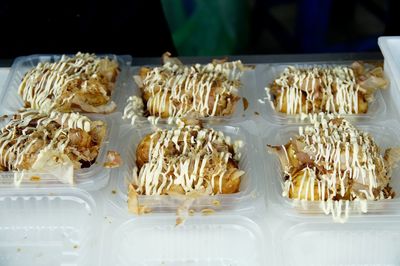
x: 195, y: 27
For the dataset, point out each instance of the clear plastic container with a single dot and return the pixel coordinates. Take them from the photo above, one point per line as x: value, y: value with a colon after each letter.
x: 91, y: 178
x: 246, y: 92
x: 249, y: 187
x: 217, y: 240
x: 385, y: 133
x: 358, y: 242
x: 267, y: 73
x: 11, y: 101
x: 44, y: 227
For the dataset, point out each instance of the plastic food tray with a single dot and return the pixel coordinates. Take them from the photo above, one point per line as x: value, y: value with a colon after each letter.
x: 267, y: 73
x: 249, y: 187
x: 246, y: 91
x: 203, y: 240
x: 384, y: 133
x: 47, y: 227
x: 54, y: 224
x: 11, y: 102
x: 92, y: 178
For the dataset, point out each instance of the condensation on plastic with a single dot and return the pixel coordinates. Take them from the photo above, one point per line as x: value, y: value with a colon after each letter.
x: 246, y: 91
x: 11, y: 101
x: 130, y: 138
x: 92, y: 178
x: 267, y: 73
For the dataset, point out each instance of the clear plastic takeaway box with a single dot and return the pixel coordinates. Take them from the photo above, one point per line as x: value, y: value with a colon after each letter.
x: 250, y: 183
x: 92, y: 178
x: 267, y: 73
x: 243, y: 109
x: 358, y: 242
x: 385, y: 133
x: 65, y: 226
x: 10, y: 100
x: 217, y: 240
x: 55, y: 226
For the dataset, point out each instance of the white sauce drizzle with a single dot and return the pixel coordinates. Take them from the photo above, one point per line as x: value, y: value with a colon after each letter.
x: 335, y: 88
x: 202, y: 158
x: 199, y: 90
x: 55, y: 86
x: 352, y: 164
x: 30, y: 135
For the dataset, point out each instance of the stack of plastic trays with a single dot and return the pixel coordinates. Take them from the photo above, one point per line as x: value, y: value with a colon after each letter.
x: 88, y: 221
x: 302, y: 233
x: 47, y: 222
x: 236, y: 232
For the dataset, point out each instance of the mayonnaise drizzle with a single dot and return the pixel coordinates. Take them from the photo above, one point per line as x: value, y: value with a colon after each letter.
x: 30, y: 132
x: 202, y: 156
x: 328, y: 89
x: 56, y: 85
x: 199, y: 90
x: 351, y: 163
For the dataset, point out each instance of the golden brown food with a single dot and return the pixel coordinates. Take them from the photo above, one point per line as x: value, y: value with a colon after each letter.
x: 35, y: 141
x: 83, y: 82
x: 336, y: 90
x: 175, y: 90
x: 186, y: 160
x: 333, y: 161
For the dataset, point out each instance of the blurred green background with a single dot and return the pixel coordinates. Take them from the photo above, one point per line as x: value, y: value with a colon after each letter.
x: 208, y: 27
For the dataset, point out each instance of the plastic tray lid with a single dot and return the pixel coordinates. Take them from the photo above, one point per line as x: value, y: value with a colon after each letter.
x: 215, y: 240
x: 47, y: 227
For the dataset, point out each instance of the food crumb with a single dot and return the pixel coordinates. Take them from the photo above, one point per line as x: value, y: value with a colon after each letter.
x: 245, y: 103
x: 207, y: 212
x: 113, y: 160
x: 216, y: 203
x: 191, y: 212
x: 35, y: 178
x: 179, y: 221
x: 114, y: 191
